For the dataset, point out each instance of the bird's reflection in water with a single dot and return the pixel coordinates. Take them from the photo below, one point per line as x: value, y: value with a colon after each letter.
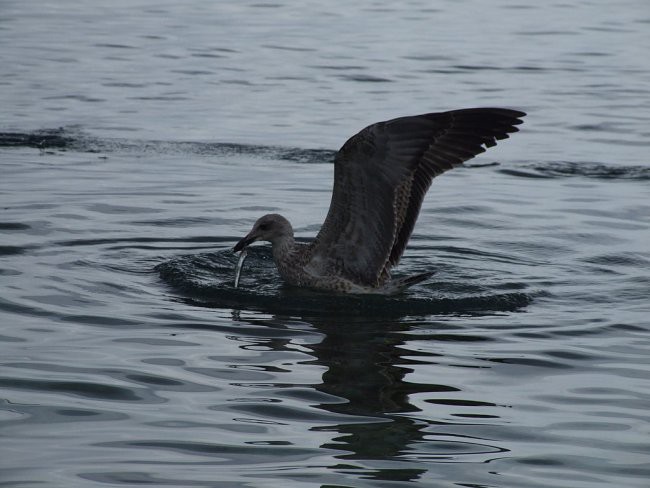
x: 365, y: 368
x: 381, y: 432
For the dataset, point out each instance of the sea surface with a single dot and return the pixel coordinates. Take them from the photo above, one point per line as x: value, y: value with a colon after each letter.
x: 139, y: 140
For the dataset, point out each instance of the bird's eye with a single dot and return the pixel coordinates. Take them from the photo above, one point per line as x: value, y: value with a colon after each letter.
x: 264, y: 227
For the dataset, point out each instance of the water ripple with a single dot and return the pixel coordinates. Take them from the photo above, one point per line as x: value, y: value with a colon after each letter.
x: 128, y: 357
x: 207, y: 280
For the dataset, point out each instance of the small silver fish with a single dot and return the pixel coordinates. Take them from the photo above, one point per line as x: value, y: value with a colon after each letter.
x: 240, y: 265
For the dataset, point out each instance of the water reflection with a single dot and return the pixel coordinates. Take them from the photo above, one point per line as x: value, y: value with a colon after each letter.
x: 365, y: 367
x: 381, y: 431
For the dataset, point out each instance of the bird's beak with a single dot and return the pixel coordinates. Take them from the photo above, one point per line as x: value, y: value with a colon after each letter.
x: 249, y: 239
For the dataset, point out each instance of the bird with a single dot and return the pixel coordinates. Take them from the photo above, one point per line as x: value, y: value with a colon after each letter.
x: 381, y: 175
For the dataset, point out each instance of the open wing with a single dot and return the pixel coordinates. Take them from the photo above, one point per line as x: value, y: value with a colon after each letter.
x: 381, y: 176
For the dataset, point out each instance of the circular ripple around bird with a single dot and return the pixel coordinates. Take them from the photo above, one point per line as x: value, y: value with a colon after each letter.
x: 207, y: 280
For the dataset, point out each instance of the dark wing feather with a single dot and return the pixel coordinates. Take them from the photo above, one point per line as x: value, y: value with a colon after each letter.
x: 461, y: 136
x: 380, y: 178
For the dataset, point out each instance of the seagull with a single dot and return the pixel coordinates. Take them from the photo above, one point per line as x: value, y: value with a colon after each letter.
x: 381, y: 176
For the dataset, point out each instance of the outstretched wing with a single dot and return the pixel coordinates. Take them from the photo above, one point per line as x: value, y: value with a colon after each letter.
x: 381, y: 176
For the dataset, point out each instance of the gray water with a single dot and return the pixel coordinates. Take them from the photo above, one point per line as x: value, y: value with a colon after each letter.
x: 139, y: 140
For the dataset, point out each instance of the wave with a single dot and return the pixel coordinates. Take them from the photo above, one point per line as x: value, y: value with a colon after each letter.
x: 563, y: 169
x: 42, y: 139
x: 69, y: 139
x: 75, y: 140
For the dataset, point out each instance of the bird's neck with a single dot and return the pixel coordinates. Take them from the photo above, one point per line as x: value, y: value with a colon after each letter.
x: 283, y: 247
x: 286, y: 258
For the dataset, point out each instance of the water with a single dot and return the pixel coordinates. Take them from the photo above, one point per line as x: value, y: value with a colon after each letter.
x: 140, y: 140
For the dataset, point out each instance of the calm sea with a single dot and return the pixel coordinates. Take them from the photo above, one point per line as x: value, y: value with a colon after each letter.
x: 139, y: 140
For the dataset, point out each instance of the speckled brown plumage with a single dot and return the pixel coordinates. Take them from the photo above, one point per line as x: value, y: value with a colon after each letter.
x: 381, y: 176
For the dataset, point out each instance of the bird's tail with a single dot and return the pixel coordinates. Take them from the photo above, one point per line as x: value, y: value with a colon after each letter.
x: 401, y: 284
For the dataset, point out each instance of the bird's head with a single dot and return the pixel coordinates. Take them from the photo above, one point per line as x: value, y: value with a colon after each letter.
x: 270, y: 227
